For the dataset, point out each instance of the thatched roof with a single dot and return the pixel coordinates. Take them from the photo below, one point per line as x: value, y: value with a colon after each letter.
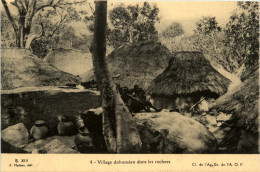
x: 243, y: 103
x: 72, y: 61
x: 20, y: 68
x: 188, y: 73
x: 138, y: 63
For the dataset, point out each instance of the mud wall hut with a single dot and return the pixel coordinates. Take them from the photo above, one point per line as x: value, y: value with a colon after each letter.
x: 188, y: 77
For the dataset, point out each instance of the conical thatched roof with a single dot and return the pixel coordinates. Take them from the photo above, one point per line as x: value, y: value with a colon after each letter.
x: 243, y: 102
x: 20, y: 68
x: 73, y: 61
x: 138, y: 63
x: 188, y: 73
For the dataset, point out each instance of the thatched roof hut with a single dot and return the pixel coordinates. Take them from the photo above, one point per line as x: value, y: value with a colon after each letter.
x: 20, y: 68
x: 72, y: 61
x: 188, y: 73
x: 138, y: 63
x: 243, y: 102
x: 188, y: 77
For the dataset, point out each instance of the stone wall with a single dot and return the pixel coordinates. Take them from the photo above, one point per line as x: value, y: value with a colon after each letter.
x: 26, y: 105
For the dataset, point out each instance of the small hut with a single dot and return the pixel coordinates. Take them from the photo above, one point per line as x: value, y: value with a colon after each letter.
x: 72, y: 61
x: 188, y: 77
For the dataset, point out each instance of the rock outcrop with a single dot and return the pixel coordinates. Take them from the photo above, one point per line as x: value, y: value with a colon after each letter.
x: 171, y: 132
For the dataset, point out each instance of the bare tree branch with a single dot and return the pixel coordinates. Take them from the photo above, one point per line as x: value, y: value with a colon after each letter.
x: 18, y: 7
x: 11, y: 19
x: 26, y: 3
x: 23, y: 6
x: 91, y: 9
x: 58, y: 4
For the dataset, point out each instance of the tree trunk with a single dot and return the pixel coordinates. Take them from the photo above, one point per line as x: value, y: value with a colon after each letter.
x: 214, y: 42
x: 119, y: 127
x: 22, y: 36
x: 10, y: 18
x: 30, y: 39
x: 27, y: 25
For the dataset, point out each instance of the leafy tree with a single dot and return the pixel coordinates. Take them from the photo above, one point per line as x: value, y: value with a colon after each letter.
x: 207, y: 25
x: 206, y: 29
x: 242, y: 34
x: 207, y: 38
x: 83, y: 42
x: 133, y: 23
x: 33, y: 12
x: 7, y: 35
x: 175, y: 29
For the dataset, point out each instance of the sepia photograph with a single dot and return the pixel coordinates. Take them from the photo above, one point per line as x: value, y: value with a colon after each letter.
x: 129, y: 77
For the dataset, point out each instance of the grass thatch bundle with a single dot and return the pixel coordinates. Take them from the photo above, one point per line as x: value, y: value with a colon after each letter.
x: 20, y: 68
x: 189, y: 73
x: 138, y: 63
x: 242, y: 102
x: 73, y: 61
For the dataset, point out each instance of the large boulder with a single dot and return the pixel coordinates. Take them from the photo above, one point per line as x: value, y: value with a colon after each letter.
x: 16, y: 135
x: 170, y: 132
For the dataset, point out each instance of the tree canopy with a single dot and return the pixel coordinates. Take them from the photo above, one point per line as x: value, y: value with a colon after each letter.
x: 231, y: 46
x: 242, y: 33
x: 175, y: 29
x: 36, y: 18
x: 133, y: 23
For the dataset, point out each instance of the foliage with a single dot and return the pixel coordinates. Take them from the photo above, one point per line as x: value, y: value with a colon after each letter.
x: 175, y: 29
x: 133, y: 23
x: 209, y: 38
x: 242, y: 33
x: 34, y: 17
x: 39, y: 47
x: 67, y: 38
x: 7, y: 34
x: 207, y: 25
x: 232, y: 46
x: 50, y: 21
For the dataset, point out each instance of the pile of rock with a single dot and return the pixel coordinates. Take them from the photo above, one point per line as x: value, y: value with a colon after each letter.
x: 16, y: 139
x: 161, y: 132
x: 167, y: 132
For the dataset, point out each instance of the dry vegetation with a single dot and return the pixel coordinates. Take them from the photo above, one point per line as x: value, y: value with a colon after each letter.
x: 243, y: 102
